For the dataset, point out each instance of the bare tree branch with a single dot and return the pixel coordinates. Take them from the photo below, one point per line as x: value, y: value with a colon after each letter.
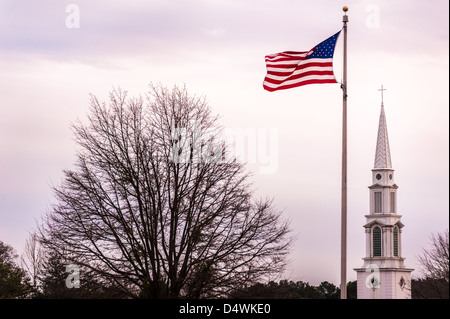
x: 151, y: 224
x: 32, y: 259
x: 435, y: 261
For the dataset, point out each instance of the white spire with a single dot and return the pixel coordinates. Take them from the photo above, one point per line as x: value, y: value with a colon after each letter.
x: 382, y: 153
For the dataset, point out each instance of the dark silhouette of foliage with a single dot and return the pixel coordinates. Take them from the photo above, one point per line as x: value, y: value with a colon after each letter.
x: 13, y: 281
x: 292, y: 290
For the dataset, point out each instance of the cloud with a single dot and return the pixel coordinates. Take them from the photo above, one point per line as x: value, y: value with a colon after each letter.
x: 215, y: 32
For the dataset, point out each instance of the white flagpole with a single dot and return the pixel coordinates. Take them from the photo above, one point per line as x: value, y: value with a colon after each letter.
x: 344, y: 167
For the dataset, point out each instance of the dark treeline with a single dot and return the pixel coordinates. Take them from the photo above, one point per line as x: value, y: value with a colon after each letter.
x: 285, y: 289
x: 53, y: 281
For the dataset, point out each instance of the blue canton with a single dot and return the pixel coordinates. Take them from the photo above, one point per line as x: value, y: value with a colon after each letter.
x: 325, y: 49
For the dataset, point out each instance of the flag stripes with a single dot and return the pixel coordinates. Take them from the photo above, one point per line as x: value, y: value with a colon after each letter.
x: 291, y: 69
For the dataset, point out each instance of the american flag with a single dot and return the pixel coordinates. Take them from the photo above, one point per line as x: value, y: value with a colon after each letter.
x: 290, y: 69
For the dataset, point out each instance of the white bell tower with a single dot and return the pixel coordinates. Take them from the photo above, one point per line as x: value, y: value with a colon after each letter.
x: 383, y: 274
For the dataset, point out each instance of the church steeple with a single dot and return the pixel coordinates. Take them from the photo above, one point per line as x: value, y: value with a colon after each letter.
x: 383, y: 174
x: 383, y: 152
x: 383, y: 274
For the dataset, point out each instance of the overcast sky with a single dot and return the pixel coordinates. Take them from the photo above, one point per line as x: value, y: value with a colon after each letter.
x: 50, y: 61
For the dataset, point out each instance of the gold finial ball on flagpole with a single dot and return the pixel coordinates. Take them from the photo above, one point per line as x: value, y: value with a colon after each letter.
x: 345, y: 9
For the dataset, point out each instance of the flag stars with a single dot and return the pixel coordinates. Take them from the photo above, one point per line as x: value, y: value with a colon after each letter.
x: 325, y: 49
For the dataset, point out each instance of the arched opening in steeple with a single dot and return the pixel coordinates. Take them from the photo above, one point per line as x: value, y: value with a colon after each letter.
x: 376, y: 241
x: 395, y: 241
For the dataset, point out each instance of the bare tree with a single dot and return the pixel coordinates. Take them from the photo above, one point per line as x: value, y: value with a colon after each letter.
x: 157, y: 207
x: 434, y: 262
x: 32, y: 259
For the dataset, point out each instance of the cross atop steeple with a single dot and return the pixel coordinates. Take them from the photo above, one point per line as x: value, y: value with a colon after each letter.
x: 382, y: 93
